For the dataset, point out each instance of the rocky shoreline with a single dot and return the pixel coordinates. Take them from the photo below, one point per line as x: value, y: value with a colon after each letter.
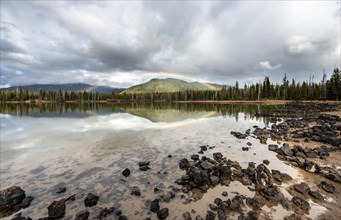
x: 302, y: 134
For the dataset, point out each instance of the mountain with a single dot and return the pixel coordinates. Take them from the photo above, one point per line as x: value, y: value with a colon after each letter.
x: 71, y: 87
x: 165, y: 85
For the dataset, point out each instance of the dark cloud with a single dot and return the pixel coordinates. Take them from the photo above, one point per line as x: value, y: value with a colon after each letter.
x: 9, y: 47
x: 118, y: 43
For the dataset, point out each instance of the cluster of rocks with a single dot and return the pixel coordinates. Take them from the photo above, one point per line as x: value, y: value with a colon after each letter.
x: 12, y: 200
x: 303, y: 189
x: 299, y: 109
x: 206, y: 172
x: 297, y: 156
x: 297, y: 128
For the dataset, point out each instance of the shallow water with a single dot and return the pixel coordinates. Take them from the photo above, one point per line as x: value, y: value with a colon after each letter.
x: 86, y: 147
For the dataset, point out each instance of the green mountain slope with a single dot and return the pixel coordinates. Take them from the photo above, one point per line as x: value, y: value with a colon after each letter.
x: 164, y: 85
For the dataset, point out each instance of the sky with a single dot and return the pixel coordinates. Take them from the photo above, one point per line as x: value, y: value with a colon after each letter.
x: 121, y: 44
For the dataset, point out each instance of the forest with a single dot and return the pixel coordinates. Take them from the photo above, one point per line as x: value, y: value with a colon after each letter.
x: 325, y: 89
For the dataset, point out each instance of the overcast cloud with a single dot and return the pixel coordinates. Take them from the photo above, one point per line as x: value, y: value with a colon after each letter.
x: 123, y: 43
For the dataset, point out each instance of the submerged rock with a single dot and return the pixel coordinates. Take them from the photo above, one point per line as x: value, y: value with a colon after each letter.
x: 61, y: 190
x: 187, y: 216
x: 126, y: 172
x: 56, y: 209
x: 136, y: 191
x: 162, y: 213
x: 154, y: 206
x: 210, y: 215
x: 301, y: 203
x: 82, y: 215
x: 27, y: 201
x: 91, y: 200
x: 144, y: 163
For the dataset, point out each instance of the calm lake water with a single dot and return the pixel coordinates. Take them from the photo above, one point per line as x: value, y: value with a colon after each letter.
x: 86, y: 148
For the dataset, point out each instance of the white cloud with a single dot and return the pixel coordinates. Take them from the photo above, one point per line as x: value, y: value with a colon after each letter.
x: 266, y: 65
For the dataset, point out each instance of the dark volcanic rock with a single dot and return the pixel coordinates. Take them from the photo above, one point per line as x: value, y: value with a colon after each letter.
x: 91, y: 200
x: 154, y: 205
x: 27, y: 201
x: 122, y: 217
x: 327, y: 187
x: 10, y: 200
x: 187, y: 216
x: 61, y: 190
x: 236, y: 203
x: 316, y: 195
x: 203, y: 148
x: 162, y: 213
x: 217, y: 156
x: 207, y: 165
x: 126, y: 172
x: 245, y: 149
x: 214, y: 180
x: 144, y: 168
x: 285, y: 150
x: 210, y: 215
x: 266, y: 162
x: 195, y: 157
x: 144, y: 163
x: 302, y: 188
x: 273, y: 147
x: 238, y: 135
x: 56, y: 209
x: 301, y: 203
x: 82, y: 215
x: 198, y: 176
x: 136, y: 191
x: 221, y: 214
x: 183, y: 164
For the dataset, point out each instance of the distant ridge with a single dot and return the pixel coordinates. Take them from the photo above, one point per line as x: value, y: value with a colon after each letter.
x: 70, y: 87
x: 165, y: 85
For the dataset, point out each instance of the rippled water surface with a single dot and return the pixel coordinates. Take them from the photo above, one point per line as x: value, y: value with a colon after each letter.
x: 86, y: 148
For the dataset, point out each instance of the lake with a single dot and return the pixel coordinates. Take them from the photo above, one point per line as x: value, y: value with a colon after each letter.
x: 85, y: 147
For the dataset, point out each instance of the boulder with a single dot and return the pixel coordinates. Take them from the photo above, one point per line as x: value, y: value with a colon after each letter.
x: 11, y: 197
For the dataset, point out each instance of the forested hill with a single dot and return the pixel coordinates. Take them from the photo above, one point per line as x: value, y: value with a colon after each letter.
x: 165, y: 85
x: 70, y: 87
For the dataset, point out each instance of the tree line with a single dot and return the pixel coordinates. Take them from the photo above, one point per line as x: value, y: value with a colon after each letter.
x: 286, y: 90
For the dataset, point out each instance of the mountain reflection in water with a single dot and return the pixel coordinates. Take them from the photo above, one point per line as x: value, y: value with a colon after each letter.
x: 154, y: 112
